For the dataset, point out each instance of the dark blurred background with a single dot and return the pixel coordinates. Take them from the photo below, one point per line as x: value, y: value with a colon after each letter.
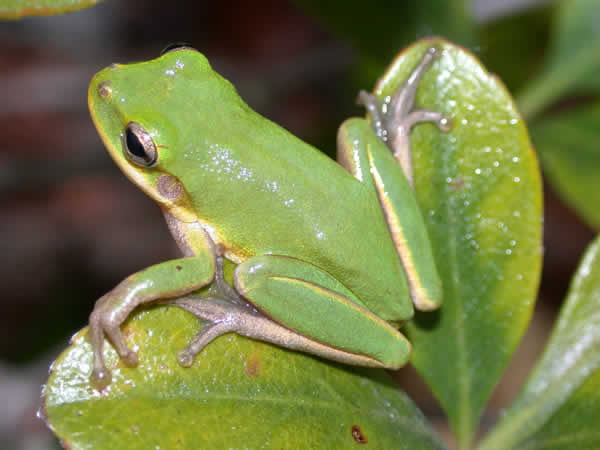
x: 72, y: 226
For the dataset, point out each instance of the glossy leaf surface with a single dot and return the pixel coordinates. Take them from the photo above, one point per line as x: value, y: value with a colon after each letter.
x: 479, y: 189
x: 575, y: 424
x: 555, y: 405
x: 238, y: 394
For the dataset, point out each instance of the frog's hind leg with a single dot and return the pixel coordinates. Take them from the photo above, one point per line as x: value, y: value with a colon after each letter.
x: 370, y: 161
x: 300, y: 307
x: 393, y: 118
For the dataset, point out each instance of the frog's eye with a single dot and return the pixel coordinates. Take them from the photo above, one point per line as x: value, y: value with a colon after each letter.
x: 139, y: 146
x: 176, y: 46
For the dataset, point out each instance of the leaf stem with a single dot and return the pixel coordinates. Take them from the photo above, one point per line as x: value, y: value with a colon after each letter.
x: 505, y: 435
x: 464, y: 438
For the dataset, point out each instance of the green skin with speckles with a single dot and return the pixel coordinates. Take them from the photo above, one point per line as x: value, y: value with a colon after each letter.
x: 331, y: 256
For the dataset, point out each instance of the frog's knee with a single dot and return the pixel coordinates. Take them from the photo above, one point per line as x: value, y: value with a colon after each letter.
x: 397, y: 354
x: 255, y: 268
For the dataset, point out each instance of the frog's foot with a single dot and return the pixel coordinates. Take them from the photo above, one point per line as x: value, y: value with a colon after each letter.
x: 221, y: 317
x: 184, y: 275
x: 222, y: 308
x: 103, y: 323
x: 394, y: 117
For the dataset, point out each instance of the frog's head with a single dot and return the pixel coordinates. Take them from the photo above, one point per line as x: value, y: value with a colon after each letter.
x: 150, y: 114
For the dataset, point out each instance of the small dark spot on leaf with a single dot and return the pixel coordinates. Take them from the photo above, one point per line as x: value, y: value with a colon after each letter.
x: 457, y: 184
x: 178, y: 267
x: 358, y: 435
x: 252, y: 366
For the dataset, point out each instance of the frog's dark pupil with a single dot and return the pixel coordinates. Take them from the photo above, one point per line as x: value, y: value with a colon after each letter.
x: 134, y: 145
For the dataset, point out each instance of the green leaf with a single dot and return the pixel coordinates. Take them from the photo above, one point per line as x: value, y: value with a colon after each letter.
x: 479, y: 189
x: 575, y: 424
x: 15, y: 9
x: 238, y: 394
x: 573, y: 58
x: 568, y: 147
x: 378, y: 29
x: 572, y: 354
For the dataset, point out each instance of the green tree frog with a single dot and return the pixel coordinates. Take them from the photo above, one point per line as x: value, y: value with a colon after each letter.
x: 330, y: 256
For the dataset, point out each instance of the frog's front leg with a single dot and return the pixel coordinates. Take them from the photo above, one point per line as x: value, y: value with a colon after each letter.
x: 166, y: 280
x: 300, y: 307
x: 393, y: 118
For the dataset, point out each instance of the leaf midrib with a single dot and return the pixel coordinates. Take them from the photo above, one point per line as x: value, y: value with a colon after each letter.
x: 464, y: 431
x: 397, y: 418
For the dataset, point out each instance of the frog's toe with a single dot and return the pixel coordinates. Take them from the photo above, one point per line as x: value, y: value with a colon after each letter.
x: 100, y: 378
x: 113, y: 332
x: 130, y: 358
x: 445, y: 123
x: 185, y: 358
x: 433, y: 52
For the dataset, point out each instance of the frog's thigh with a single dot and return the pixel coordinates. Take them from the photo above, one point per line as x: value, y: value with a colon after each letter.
x: 308, y: 300
x: 369, y: 160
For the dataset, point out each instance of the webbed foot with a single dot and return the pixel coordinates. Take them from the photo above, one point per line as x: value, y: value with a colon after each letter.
x: 222, y: 317
x: 223, y: 309
x: 394, y: 117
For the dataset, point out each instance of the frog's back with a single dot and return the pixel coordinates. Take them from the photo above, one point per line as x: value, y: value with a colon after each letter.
x: 271, y: 193
x: 257, y: 188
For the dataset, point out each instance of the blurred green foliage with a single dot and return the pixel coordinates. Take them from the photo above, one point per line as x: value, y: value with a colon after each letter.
x: 15, y: 9
x: 549, y: 57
